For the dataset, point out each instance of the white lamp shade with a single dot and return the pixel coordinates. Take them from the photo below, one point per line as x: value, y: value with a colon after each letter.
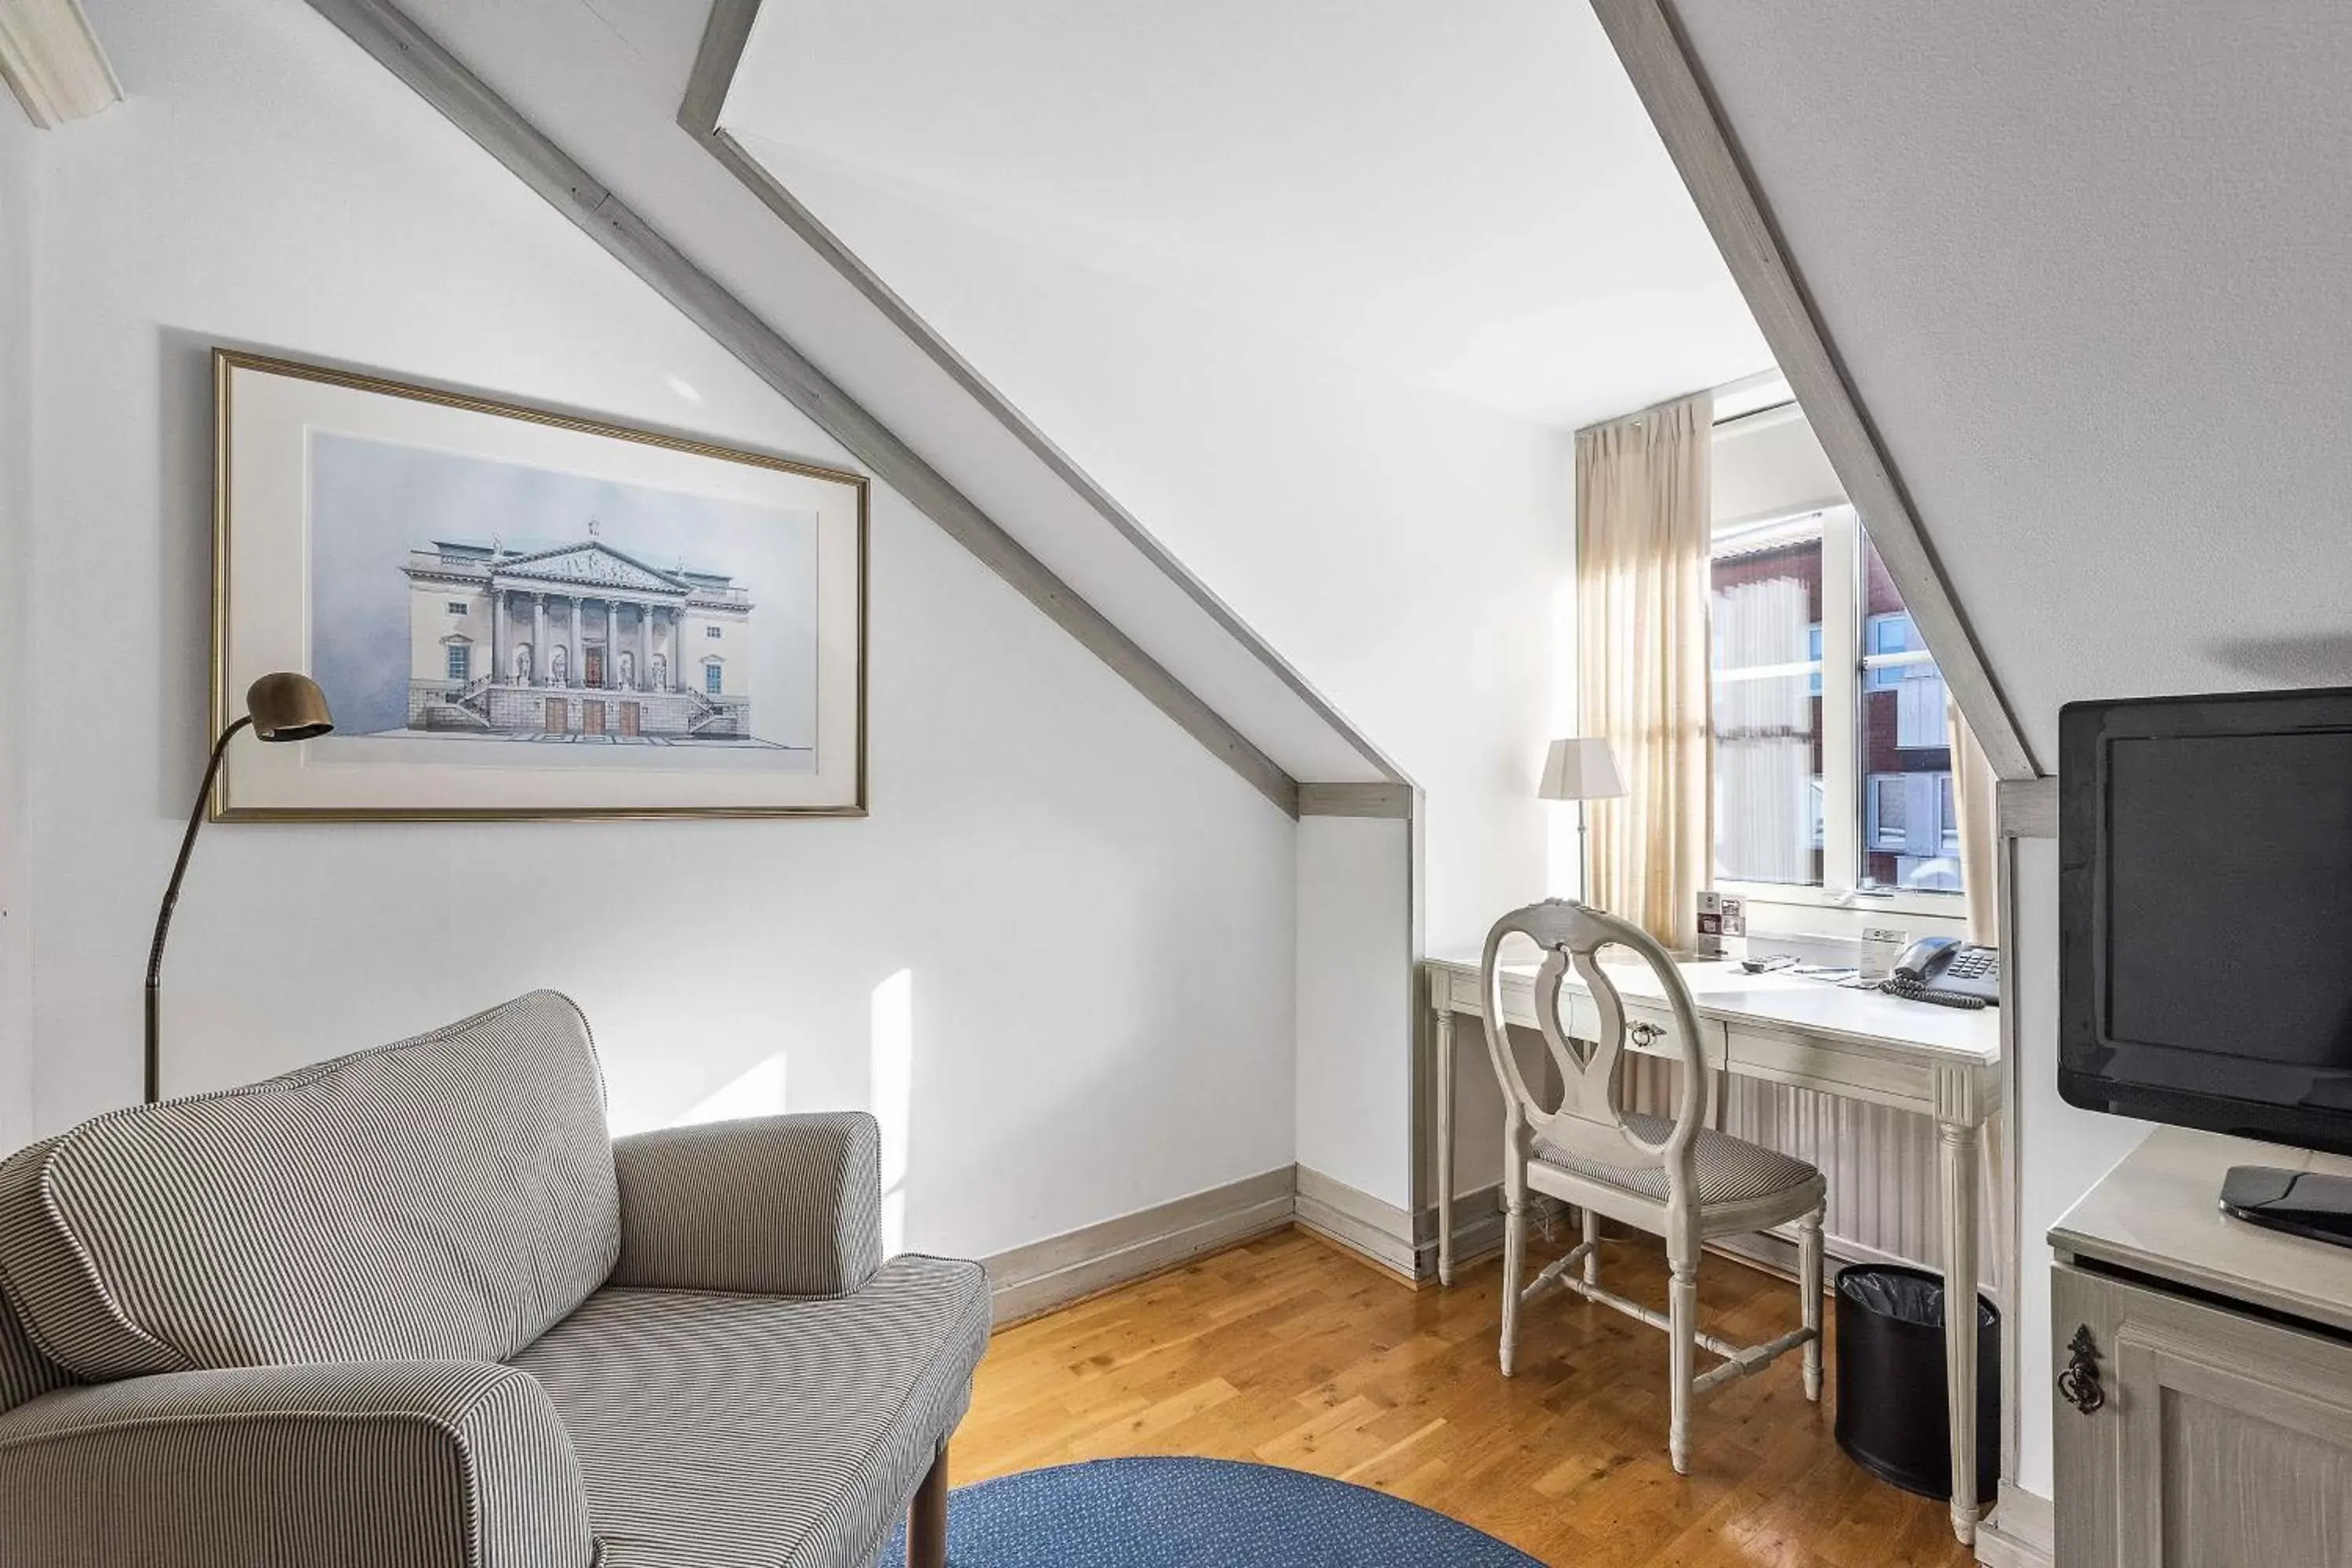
x: 1579, y: 768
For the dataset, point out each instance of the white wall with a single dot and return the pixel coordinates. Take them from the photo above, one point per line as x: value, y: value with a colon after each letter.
x: 1411, y: 555
x: 18, y: 185
x: 1074, y: 922
x: 1355, y: 1079
x: 1402, y: 548
x: 2078, y: 263
x: 1769, y: 465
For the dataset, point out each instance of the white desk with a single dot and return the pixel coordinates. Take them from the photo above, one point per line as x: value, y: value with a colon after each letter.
x: 1859, y: 1044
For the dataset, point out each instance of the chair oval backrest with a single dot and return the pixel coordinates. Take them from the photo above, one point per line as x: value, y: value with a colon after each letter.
x: 1590, y: 1119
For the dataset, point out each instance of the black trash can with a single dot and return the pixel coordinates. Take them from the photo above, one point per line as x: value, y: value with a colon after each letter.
x: 1892, y: 1413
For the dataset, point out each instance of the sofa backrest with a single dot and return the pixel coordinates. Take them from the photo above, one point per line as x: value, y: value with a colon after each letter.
x: 448, y: 1198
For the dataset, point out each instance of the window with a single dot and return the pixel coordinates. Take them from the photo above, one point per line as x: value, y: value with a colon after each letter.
x: 711, y: 677
x: 461, y: 662
x: 1889, y: 633
x: 1832, y: 759
x: 1887, y: 803
x: 457, y: 607
x: 711, y: 631
x: 1903, y: 745
x: 1765, y: 623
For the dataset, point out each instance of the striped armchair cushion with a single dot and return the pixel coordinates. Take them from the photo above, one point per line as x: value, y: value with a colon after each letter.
x: 23, y: 1370
x: 717, y: 1430
x: 447, y: 1198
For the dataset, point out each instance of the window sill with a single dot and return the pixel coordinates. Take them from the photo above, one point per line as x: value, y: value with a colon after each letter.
x: 1777, y: 911
x: 1952, y: 906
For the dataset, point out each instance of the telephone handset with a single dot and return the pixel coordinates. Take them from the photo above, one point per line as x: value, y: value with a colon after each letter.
x: 1945, y: 970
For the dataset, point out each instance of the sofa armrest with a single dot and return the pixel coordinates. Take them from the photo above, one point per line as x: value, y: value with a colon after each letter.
x: 781, y: 1206
x: 365, y: 1465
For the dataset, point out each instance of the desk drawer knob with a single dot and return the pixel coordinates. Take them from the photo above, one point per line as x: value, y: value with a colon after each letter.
x: 1645, y: 1034
x: 2078, y: 1385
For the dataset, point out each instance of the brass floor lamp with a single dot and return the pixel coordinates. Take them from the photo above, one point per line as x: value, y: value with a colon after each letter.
x: 278, y: 707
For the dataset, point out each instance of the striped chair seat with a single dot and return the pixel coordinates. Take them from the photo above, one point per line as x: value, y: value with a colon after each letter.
x: 1729, y: 1170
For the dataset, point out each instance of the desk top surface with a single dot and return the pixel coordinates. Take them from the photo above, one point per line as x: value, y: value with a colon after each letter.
x: 2158, y: 1211
x: 1722, y: 990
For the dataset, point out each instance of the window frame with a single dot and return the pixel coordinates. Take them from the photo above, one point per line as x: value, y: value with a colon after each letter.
x: 1844, y: 852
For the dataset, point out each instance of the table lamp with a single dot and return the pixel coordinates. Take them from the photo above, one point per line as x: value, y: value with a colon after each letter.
x: 1581, y: 768
x: 278, y: 707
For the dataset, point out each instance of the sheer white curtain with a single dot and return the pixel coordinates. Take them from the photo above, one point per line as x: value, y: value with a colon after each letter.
x: 1642, y: 529
x: 1972, y: 802
x: 1764, y: 731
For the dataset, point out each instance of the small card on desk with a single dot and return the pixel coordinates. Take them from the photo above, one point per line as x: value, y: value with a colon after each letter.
x: 1881, y: 946
x: 1722, y: 925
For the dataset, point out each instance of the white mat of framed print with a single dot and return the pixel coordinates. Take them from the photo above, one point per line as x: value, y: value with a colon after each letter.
x: 515, y: 613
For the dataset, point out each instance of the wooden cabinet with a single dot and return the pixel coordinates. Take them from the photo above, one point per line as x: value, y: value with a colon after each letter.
x: 2192, y: 1434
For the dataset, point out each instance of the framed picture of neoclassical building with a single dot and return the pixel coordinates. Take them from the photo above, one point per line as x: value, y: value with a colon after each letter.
x: 518, y: 613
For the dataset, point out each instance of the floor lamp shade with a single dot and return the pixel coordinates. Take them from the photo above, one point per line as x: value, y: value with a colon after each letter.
x: 1579, y: 768
x: 288, y: 707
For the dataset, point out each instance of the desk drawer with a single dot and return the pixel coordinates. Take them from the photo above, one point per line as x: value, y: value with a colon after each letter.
x: 1649, y: 1030
x: 1850, y: 1072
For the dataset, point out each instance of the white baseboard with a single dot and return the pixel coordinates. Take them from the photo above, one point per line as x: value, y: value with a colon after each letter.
x: 2020, y: 1532
x: 1027, y: 1281
x: 1377, y: 1231
x: 1043, y: 1275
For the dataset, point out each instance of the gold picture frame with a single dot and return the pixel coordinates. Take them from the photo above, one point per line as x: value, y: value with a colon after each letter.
x: 607, y: 701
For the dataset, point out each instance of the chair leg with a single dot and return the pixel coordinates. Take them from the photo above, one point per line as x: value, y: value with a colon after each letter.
x: 1809, y: 1280
x: 927, y: 1517
x: 1682, y: 1331
x: 1515, y: 1259
x: 1592, y: 1247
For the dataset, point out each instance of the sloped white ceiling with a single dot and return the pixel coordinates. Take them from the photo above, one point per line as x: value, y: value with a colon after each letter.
x: 604, y: 83
x: 2090, y: 268
x: 1468, y: 198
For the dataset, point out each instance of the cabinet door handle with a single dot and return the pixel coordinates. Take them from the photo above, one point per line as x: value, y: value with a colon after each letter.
x: 2078, y: 1385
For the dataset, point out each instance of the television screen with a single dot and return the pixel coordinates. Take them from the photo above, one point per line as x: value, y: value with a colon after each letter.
x: 2206, y: 906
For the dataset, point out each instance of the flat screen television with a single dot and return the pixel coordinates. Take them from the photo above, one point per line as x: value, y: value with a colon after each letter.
x: 2205, y: 909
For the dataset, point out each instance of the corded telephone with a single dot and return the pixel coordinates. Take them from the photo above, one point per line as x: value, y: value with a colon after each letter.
x: 1945, y: 970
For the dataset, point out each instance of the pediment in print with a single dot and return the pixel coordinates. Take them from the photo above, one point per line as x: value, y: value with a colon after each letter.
x: 593, y: 565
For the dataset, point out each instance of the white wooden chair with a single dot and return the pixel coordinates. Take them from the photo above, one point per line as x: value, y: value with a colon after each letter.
x: 1680, y: 1179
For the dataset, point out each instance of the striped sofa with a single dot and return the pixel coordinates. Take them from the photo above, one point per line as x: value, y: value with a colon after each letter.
x: 415, y: 1309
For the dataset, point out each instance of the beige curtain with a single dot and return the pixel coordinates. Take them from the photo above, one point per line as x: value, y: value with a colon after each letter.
x: 1972, y: 800
x: 1641, y: 534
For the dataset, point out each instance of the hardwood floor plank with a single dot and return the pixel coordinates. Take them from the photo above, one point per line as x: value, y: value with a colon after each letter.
x: 1288, y: 1351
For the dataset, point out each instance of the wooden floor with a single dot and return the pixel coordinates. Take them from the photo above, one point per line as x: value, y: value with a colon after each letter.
x: 1290, y: 1352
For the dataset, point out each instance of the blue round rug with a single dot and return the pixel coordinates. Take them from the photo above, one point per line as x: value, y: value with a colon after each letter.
x: 1199, y: 1513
